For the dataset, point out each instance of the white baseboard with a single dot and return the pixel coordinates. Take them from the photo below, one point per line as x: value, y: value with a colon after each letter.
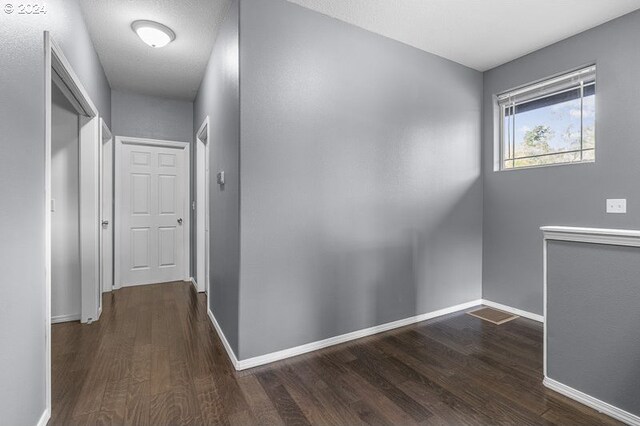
x: 44, y: 418
x: 331, y: 341
x: 65, y: 318
x: 225, y: 342
x: 589, y: 401
x: 195, y: 285
x: 514, y: 311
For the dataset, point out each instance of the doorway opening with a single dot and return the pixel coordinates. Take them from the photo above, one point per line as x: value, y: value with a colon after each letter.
x: 65, y: 210
x: 72, y: 236
x: 202, y: 208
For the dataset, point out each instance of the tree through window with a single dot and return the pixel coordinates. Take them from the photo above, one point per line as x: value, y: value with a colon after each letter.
x: 551, y: 122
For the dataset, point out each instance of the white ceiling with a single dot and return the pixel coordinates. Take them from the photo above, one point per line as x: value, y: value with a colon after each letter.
x: 174, y: 71
x: 480, y: 34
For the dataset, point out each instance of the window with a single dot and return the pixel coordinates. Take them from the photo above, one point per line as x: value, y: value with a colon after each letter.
x: 550, y: 122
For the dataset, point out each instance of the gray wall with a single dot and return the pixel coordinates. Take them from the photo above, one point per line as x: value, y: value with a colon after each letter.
x: 361, y: 183
x: 219, y: 98
x: 65, y: 220
x: 594, y: 339
x: 517, y: 203
x: 144, y: 116
x: 22, y: 118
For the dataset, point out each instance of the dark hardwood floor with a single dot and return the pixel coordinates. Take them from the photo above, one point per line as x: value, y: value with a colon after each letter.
x: 154, y: 359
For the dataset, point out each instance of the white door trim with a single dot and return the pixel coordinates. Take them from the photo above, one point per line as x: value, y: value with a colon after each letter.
x: 57, y: 68
x: 106, y: 133
x: 202, y: 209
x: 186, y: 229
x: 105, y: 136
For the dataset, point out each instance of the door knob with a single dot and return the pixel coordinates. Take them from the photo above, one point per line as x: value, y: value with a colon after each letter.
x: 105, y: 223
x: 180, y: 221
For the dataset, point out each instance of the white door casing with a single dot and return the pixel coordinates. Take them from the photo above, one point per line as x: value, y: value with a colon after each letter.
x: 106, y: 243
x: 90, y: 152
x: 202, y: 207
x: 152, y: 211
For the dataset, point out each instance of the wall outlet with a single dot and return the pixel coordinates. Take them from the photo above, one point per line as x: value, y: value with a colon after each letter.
x: 618, y: 205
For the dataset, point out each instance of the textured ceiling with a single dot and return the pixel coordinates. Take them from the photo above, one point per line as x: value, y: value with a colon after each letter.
x: 480, y: 34
x: 174, y: 71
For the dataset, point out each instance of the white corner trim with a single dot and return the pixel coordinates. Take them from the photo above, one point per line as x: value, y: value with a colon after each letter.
x: 618, y: 237
x: 331, y: 341
x: 589, y: 401
x: 515, y: 311
x: 65, y: 318
x: 44, y: 418
x: 194, y: 283
x: 225, y: 342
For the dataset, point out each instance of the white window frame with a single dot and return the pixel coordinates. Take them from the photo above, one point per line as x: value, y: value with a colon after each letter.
x: 540, y: 89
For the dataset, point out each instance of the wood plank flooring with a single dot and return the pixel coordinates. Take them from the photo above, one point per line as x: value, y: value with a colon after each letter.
x: 154, y: 359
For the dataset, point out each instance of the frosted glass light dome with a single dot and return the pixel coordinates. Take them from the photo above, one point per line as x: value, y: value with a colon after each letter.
x: 153, y: 33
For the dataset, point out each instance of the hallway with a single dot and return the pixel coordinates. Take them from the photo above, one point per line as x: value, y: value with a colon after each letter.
x: 155, y: 363
x: 159, y: 361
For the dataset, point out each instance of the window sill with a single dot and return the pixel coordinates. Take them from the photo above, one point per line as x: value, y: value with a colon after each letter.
x: 542, y: 166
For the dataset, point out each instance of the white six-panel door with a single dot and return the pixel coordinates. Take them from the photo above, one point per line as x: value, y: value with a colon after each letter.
x: 151, y: 207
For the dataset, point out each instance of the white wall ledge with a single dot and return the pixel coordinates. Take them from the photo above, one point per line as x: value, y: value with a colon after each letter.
x: 618, y: 237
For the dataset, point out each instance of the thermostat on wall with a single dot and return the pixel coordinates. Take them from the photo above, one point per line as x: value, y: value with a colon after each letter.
x: 220, y: 178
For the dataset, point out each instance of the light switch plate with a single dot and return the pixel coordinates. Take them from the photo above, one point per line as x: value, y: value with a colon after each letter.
x: 617, y: 205
x: 220, y: 178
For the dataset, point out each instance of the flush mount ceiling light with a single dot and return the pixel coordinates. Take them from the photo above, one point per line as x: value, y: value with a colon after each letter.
x: 153, y: 33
